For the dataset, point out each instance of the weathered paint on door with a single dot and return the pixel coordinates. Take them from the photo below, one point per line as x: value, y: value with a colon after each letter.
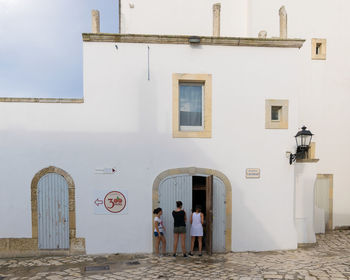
x: 209, y: 214
x: 179, y: 187
x: 219, y: 215
x: 172, y: 189
x: 53, y: 212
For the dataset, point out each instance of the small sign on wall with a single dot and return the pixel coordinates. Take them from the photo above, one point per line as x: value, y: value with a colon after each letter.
x: 252, y: 173
x: 108, y: 170
x: 111, y: 201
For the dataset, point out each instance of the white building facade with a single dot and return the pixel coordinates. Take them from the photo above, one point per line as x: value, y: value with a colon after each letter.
x: 130, y: 134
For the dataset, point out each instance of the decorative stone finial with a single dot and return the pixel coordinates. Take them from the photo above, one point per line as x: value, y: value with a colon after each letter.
x: 95, y: 21
x: 262, y: 34
x: 283, y: 22
x: 283, y: 11
x: 216, y: 19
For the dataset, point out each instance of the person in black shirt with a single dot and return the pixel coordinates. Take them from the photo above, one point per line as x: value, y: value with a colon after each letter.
x: 179, y: 216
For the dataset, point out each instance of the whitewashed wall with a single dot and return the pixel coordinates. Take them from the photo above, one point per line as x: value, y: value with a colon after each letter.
x: 324, y: 102
x: 126, y: 122
x: 183, y: 17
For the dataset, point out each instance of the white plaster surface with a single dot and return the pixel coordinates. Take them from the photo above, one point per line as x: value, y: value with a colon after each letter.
x: 324, y: 100
x: 183, y: 17
x: 126, y: 122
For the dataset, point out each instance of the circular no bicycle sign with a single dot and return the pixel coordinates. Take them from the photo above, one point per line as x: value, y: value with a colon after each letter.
x: 115, y: 202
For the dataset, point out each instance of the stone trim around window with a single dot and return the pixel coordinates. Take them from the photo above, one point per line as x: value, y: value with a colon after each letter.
x: 282, y: 121
x: 206, y: 79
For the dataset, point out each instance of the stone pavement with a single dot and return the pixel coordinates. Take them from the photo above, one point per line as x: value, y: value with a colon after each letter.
x: 329, y: 259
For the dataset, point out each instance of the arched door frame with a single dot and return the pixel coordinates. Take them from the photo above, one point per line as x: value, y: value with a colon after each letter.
x: 71, y: 197
x: 198, y: 171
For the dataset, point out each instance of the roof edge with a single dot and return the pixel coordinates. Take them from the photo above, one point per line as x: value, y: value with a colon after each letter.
x: 41, y: 100
x: 184, y: 40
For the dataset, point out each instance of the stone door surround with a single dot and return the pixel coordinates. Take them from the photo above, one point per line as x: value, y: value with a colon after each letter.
x: 34, y: 199
x: 28, y: 247
x: 194, y: 171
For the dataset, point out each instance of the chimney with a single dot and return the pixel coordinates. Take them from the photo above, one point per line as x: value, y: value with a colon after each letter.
x: 95, y: 21
x: 216, y: 19
x: 283, y: 22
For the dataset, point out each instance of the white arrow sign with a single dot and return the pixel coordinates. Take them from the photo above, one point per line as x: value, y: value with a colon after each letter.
x: 111, y: 170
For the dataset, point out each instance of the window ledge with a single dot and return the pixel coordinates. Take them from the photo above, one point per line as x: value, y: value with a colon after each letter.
x: 307, y: 160
x: 192, y: 134
x: 184, y: 39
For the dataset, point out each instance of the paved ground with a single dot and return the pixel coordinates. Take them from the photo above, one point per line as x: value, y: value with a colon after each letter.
x: 330, y: 259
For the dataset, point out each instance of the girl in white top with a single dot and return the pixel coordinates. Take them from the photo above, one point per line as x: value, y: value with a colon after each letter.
x: 159, y: 230
x: 197, y: 220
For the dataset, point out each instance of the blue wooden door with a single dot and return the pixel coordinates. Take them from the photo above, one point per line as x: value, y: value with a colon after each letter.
x: 53, y: 212
x: 171, y: 190
x: 219, y: 216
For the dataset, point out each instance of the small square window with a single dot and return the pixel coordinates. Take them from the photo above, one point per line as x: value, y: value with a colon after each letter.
x: 192, y: 105
x: 318, y: 49
x: 276, y: 114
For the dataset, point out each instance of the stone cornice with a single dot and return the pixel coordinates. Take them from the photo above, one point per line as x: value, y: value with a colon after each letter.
x: 41, y: 100
x: 184, y: 40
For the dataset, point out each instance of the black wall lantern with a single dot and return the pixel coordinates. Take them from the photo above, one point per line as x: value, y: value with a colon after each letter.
x: 303, y: 139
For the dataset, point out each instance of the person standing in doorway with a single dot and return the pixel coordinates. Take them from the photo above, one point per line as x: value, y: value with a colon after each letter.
x: 179, y: 216
x: 197, y: 220
x: 159, y: 230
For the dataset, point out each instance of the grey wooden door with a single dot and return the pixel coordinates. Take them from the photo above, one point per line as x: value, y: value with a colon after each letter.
x: 53, y: 212
x: 209, y: 214
x: 172, y: 189
x: 219, y: 216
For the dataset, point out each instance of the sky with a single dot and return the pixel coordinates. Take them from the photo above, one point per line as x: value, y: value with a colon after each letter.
x: 41, y: 45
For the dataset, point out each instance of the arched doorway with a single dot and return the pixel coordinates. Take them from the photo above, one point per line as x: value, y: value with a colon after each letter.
x: 53, y: 208
x: 53, y: 218
x: 186, y: 184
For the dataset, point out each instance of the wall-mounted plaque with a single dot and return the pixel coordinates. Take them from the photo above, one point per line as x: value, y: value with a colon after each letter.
x: 252, y: 173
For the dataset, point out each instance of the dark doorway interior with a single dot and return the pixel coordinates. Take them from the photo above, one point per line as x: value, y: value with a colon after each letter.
x: 199, y: 198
